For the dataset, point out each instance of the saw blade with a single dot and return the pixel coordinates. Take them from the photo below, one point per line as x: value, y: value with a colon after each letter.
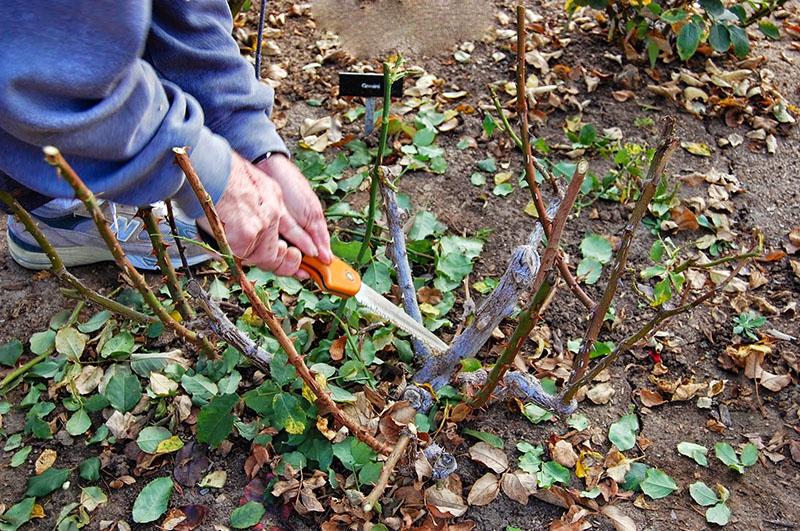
x: 383, y: 308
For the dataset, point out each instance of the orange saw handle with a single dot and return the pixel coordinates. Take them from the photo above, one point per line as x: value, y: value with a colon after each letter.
x: 337, y: 277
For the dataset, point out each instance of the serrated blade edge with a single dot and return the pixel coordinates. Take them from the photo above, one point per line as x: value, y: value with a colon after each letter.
x: 383, y: 308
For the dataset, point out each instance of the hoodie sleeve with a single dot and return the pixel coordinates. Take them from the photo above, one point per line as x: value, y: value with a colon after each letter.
x: 190, y: 44
x: 71, y: 76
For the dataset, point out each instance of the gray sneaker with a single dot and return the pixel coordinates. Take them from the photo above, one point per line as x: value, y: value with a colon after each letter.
x: 72, y: 232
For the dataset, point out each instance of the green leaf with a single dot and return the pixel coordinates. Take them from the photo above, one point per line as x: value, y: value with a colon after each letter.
x: 741, y: 43
x: 749, y: 454
x: 13, y: 442
x: 702, y: 494
x: 477, y: 179
x: 488, y: 438
x: 89, y: 469
x: 589, y: 270
x: 247, y: 515
x: 378, y: 277
x: 769, y: 30
x: 672, y: 16
x: 719, y: 514
x: 535, y: 413
x: 503, y: 189
x: 688, y: 40
x: 657, y: 484
x: 95, y: 323
x: 70, y: 342
x: 578, y: 422
x: 727, y: 455
x: 121, y: 343
x: 215, y: 420
x: 370, y: 473
x: 79, y: 423
x: 697, y: 452
x: 288, y: 413
x: 20, y: 456
x: 10, y: 352
x: 17, y: 515
x: 152, y: 501
x: 596, y: 247
x: 426, y: 224
x: 488, y: 165
x: 719, y: 38
x: 150, y: 437
x: 46, y: 482
x: 424, y: 137
x: 489, y: 125
x: 635, y: 476
x: 552, y: 473
x: 201, y: 388
x: 623, y: 432
x: 43, y: 342
x: 123, y: 392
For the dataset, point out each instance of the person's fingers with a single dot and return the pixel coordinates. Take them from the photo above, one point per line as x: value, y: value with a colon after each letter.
x: 319, y: 233
x: 294, y: 233
x: 270, y: 250
x: 301, y: 275
x: 290, y: 263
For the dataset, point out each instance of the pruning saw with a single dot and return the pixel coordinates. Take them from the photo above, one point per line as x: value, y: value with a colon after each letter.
x: 339, y: 279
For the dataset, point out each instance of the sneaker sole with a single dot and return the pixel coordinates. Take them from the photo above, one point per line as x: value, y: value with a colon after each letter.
x: 37, y: 260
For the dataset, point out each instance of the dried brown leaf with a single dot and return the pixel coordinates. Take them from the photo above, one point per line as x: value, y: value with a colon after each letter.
x: 650, y: 398
x: 484, y: 491
x: 518, y: 485
x: 493, y: 458
x: 620, y: 520
x: 45, y: 460
x: 600, y: 394
x: 443, y: 502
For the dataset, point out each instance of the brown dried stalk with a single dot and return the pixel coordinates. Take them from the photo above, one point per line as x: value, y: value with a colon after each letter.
x: 531, y: 163
x: 386, y: 472
x: 263, y: 311
x: 165, y: 263
x: 662, y: 155
x: 60, y: 271
x: 653, y: 324
x: 541, y: 287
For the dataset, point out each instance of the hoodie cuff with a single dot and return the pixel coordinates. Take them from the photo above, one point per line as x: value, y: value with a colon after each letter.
x: 211, y: 159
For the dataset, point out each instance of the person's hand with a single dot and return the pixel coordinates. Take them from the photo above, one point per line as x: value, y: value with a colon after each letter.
x: 257, y: 223
x: 301, y: 202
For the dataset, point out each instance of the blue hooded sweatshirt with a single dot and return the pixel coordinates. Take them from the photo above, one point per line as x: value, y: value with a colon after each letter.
x: 115, y: 85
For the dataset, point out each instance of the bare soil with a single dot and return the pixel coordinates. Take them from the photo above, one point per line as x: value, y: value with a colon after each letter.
x: 764, y: 498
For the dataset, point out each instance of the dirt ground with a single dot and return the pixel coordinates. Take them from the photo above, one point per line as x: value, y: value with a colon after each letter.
x: 764, y: 498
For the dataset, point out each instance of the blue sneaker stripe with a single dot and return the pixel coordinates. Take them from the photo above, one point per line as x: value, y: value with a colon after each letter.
x: 31, y: 248
x: 64, y: 222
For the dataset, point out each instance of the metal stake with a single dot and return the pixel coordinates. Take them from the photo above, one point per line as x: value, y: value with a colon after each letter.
x: 369, y: 116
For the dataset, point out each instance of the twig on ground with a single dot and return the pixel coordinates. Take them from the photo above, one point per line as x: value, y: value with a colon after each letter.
x: 61, y: 272
x: 165, y: 263
x: 386, y: 472
x: 628, y: 343
x: 662, y: 155
x: 263, y: 311
x: 82, y: 192
x: 399, y: 255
